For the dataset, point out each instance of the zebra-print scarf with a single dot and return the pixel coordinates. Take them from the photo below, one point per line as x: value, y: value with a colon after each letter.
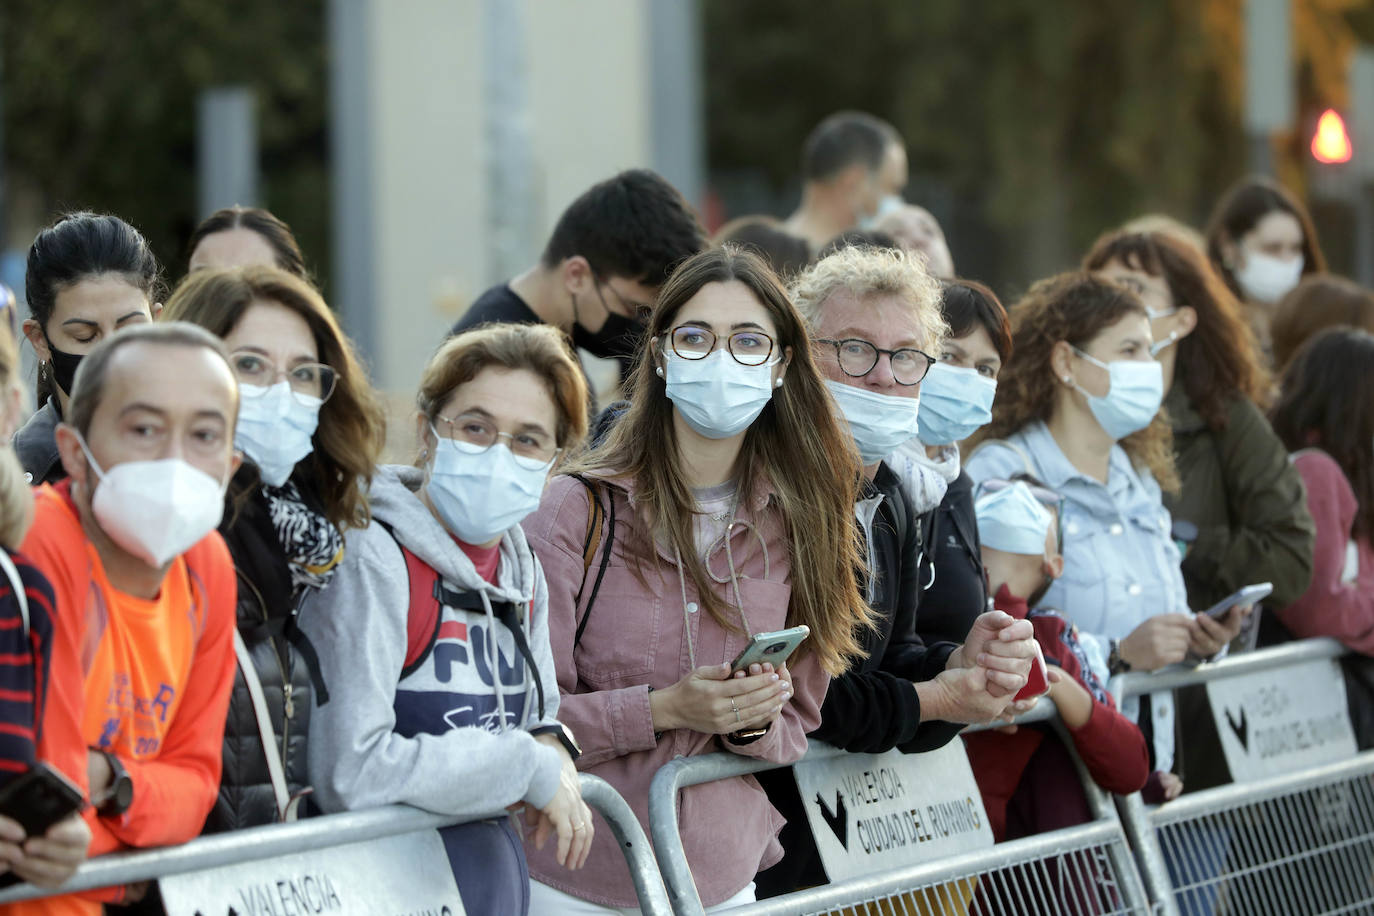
x: 313, y: 545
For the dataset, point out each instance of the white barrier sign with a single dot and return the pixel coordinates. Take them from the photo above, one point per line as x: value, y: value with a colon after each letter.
x: 407, y: 875
x: 1276, y: 722
x: 872, y: 812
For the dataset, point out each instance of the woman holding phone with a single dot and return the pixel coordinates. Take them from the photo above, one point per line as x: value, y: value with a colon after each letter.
x: 728, y: 493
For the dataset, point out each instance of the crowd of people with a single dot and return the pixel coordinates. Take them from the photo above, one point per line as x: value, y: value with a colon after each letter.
x: 220, y: 609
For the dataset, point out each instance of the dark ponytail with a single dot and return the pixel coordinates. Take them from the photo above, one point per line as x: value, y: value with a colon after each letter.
x: 76, y: 247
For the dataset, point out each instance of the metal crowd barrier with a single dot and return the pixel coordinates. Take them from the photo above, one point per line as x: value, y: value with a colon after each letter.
x: 1080, y: 870
x: 1300, y: 843
x: 263, y: 843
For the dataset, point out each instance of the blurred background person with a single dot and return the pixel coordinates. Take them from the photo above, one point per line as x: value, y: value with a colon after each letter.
x: 242, y: 237
x: 786, y: 253
x: 853, y: 170
x: 1320, y: 301
x: 434, y: 635
x: 310, y: 431
x: 1325, y: 416
x: 602, y: 267
x: 88, y: 276
x: 1261, y: 240
x: 916, y: 230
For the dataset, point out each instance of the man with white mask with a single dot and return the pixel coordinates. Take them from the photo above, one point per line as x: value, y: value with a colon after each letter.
x: 143, y: 652
x: 875, y: 314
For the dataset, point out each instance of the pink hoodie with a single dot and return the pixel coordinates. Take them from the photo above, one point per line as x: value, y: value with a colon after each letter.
x: 634, y: 640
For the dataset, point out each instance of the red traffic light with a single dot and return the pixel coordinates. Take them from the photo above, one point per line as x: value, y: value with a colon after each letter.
x: 1331, y: 143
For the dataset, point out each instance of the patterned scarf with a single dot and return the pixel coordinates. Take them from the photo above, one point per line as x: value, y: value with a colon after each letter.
x: 313, y: 545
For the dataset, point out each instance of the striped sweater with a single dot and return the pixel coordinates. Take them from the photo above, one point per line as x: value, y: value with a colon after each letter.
x: 23, y: 667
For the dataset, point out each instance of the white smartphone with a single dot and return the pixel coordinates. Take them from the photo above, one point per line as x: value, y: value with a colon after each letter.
x: 1251, y: 594
x: 771, y: 648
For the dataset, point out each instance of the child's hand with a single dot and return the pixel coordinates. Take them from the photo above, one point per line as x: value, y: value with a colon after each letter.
x: 1074, y: 702
x: 1173, y: 786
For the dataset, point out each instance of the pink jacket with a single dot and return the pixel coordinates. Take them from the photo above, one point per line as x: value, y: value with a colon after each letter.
x: 635, y: 640
x: 1331, y: 607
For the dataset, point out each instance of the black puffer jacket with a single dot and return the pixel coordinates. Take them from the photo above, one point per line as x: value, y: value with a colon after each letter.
x: 960, y: 590
x: 36, y: 445
x: 872, y: 707
x: 266, y: 620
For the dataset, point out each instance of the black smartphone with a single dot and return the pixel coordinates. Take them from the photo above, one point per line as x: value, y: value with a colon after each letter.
x: 40, y: 798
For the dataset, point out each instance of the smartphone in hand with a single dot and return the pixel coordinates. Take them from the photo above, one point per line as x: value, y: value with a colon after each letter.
x: 770, y: 648
x: 1251, y: 594
x: 1038, y: 681
x: 39, y: 798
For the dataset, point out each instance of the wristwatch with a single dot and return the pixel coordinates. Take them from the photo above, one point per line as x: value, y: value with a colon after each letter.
x: 119, y: 797
x: 564, y: 735
x: 747, y: 736
x: 1115, y: 663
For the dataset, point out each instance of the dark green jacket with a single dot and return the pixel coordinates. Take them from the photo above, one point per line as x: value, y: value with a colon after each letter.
x: 1247, y: 502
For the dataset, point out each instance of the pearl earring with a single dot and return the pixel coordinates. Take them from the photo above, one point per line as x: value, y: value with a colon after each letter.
x: 659, y: 372
x: 778, y: 383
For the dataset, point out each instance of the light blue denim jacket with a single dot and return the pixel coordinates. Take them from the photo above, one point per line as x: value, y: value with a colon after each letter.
x: 1120, y: 562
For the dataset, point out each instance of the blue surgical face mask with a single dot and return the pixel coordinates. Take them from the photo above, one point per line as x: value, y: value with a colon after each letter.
x: 275, y: 429
x: 1012, y: 520
x: 480, y: 493
x: 878, y: 422
x: 889, y: 203
x: 718, y: 396
x: 1137, y: 390
x: 954, y: 403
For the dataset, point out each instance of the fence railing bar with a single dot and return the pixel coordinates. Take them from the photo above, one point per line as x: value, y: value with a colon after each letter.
x: 639, y: 854
x: 1224, y: 798
x: 1140, y: 682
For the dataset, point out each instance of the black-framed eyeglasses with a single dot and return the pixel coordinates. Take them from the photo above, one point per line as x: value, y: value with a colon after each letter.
x: 1043, y: 495
x: 749, y: 348
x: 634, y: 309
x: 857, y: 357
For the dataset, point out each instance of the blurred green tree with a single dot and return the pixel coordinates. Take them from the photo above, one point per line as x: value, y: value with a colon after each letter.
x: 100, y: 109
x: 1043, y: 121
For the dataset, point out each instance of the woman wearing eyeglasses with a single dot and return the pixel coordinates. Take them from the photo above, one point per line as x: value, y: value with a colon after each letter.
x: 433, y: 637
x: 1079, y: 410
x: 310, y: 429
x: 732, y: 490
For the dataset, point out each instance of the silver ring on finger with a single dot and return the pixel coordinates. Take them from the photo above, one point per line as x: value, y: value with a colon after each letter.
x: 577, y: 827
x: 736, y: 709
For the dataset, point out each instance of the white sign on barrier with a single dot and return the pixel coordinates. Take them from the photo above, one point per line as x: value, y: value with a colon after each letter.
x: 872, y: 812
x: 1276, y: 722
x: 406, y: 875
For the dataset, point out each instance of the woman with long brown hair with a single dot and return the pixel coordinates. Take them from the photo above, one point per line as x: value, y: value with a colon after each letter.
x: 311, y: 429
x: 1079, y: 410
x: 1238, y: 490
x: 728, y: 491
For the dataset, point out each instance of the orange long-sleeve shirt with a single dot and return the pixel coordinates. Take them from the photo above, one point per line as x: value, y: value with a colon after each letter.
x: 147, y: 680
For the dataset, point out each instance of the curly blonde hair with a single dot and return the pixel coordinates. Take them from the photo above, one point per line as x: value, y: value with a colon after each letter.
x: 1073, y: 307
x: 864, y: 271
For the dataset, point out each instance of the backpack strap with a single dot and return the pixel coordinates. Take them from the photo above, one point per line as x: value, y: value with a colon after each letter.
x: 423, y: 610
x: 589, y: 545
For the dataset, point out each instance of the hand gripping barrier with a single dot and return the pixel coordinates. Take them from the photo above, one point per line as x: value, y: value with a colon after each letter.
x: 1300, y: 843
x: 264, y: 843
x: 1084, y: 869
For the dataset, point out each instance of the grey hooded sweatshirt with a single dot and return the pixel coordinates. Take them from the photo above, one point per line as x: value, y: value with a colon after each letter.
x: 453, y: 735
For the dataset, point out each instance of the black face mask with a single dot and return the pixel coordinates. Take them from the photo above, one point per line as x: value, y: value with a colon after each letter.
x: 617, y: 339
x: 64, y: 367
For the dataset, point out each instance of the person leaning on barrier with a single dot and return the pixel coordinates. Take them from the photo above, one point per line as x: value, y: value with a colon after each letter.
x: 143, y: 657
x: 1028, y: 782
x: 1080, y: 411
x: 26, y: 633
x: 731, y: 487
x: 443, y: 588
x: 87, y: 276
x: 1325, y: 414
x: 875, y: 314
x: 310, y: 429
